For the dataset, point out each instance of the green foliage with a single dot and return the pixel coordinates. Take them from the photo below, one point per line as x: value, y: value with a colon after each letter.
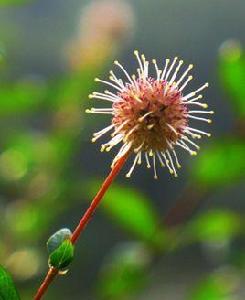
x: 232, y: 74
x: 7, y: 287
x: 215, y: 225
x: 220, y: 164
x: 22, y: 97
x: 124, y: 271
x: 132, y: 211
x: 62, y: 256
x: 220, y: 285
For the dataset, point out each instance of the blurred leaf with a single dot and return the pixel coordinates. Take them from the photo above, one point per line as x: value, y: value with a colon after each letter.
x: 32, y: 218
x: 62, y: 256
x: 7, y: 288
x: 215, y: 225
x: 232, y: 74
x: 221, y: 163
x: 124, y: 271
x: 131, y: 210
x: 218, y: 286
x: 20, y: 98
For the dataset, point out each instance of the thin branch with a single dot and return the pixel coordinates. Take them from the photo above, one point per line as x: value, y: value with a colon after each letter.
x: 52, y: 272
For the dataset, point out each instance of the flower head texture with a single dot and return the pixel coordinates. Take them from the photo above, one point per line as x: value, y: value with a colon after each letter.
x: 151, y: 114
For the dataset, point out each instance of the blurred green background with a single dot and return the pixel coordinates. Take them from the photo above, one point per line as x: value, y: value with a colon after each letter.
x: 168, y: 239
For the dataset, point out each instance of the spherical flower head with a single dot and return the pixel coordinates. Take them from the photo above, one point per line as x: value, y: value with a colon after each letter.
x: 150, y: 115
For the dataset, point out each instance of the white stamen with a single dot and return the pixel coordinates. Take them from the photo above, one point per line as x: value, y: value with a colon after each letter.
x: 116, y: 80
x: 154, y: 166
x: 172, y: 164
x: 167, y: 163
x: 160, y: 159
x: 201, y: 112
x: 167, y: 61
x: 176, y: 72
x: 176, y: 159
x: 101, y: 132
x: 124, y: 71
x: 198, y: 131
x: 112, y: 95
x: 191, y: 142
x: 192, y: 100
x: 113, y: 142
x: 158, y: 71
x: 136, y: 53
x: 120, y: 127
x: 184, y: 146
x: 200, y: 119
x: 184, y: 74
x: 148, y: 165
x: 102, y: 97
x: 109, y: 83
x: 90, y: 111
x: 185, y: 83
x: 171, y: 67
x: 133, y: 166
x: 195, y: 92
x: 123, y: 150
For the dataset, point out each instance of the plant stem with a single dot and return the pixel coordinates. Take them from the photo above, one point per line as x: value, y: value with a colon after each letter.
x: 52, y: 272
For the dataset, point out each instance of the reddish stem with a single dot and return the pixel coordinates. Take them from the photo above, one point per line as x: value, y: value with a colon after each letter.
x: 52, y: 272
x: 83, y: 222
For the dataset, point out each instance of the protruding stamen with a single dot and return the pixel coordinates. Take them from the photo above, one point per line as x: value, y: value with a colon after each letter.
x: 160, y: 159
x: 184, y: 146
x: 140, y: 158
x: 171, y: 162
x: 158, y: 71
x: 200, y: 119
x: 136, y: 53
x: 191, y: 142
x: 198, y: 131
x: 176, y: 72
x: 93, y: 111
x: 167, y: 61
x: 133, y: 166
x: 116, y: 80
x: 108, y: 83
x: 167, y: 163
x: 124, y: 71
x: 103, y: 97
x: 154, y: 166
x: 176, y: 159
x: 171, y: 67
x: 193, y: 100
x: 185, y: 83
x: 119, y: 128
x: 148, y: 165
x: 197, y: 91
x: 184, y: 74
x: 101, y: 132
x: 201, y: 112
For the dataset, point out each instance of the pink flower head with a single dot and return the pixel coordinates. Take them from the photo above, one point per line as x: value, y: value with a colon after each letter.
x: 150, y: 116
